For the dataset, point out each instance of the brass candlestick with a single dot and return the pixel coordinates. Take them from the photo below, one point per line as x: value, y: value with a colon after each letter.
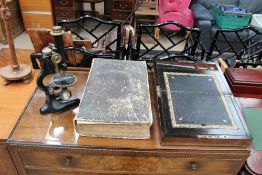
x: 14, y: 71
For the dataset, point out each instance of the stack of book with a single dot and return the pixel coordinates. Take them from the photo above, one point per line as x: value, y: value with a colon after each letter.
x: 116, y: 101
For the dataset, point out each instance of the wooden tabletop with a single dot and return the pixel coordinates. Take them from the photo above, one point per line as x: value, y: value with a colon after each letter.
x: 58, y: 129
x: 14, y: 96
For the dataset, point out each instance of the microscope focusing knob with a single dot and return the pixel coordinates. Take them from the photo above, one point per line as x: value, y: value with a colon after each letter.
x: 47, y: 51
x: 65, y: 95
x: 56, y: 58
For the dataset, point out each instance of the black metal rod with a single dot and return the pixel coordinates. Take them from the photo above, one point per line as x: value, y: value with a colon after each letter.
x: 58, y: 40
x: 132, y: 13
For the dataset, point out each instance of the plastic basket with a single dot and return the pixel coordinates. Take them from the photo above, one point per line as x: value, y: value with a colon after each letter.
x: 229, y: 20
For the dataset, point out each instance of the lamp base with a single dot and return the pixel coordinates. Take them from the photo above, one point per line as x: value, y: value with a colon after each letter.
x: 22, y: 73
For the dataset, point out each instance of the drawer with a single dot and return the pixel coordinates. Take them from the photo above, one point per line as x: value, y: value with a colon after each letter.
x: 65, y: 14
x: 32, y: 20
x: 120, y: 15
x: 92, y: 163
x: 57, y: 172
x: 39, y: 5
x: 123, y: 5
x: 63, y: 3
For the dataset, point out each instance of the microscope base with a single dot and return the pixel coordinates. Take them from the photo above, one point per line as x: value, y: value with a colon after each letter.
x: 57, y: 106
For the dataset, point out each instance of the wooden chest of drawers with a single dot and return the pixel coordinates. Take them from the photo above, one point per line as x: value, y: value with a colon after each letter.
x: 53, y: 161
x: 122, y: 8
x: 6, y: 164
x: 42, y: 145
x: 11, y: 106
x: 37, y: 14
x: 67, y: 9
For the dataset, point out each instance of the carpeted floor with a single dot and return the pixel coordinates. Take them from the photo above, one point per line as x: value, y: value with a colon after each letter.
x: 253, y: 118
x: 22, y: 41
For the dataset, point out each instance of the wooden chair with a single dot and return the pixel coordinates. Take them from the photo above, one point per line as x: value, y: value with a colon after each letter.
x: 149, y: 48
x: 147, y: 13
x: 247, y: 53
x: 105, y: 36
x: 41, y: 37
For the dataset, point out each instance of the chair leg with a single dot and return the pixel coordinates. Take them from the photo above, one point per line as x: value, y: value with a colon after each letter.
x: 93, y: 8
x: 157, y: 31
x: 223, y: 64
x: 187, y: 33
x: 135, y: 23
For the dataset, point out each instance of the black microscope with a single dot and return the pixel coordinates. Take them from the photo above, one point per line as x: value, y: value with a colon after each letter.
x: 57, y: 88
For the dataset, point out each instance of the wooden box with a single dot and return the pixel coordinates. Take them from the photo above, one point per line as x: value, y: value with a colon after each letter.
x: 244, y: 82
x: 197, y: 107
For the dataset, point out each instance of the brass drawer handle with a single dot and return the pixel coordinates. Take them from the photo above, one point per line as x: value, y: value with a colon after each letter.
x: 68, y: 161
x: 123, y: 6
x: 194, y: 166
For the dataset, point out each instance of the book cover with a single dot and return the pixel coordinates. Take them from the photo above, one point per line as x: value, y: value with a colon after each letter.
x: 116, y: 101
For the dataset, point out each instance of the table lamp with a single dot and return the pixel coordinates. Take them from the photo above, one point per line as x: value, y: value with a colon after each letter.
x: 14, y: 71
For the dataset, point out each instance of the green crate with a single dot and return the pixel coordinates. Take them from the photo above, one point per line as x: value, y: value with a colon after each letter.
x: 230, y: 20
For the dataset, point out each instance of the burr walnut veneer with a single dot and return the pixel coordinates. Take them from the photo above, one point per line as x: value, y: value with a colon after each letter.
x: 48, y: 144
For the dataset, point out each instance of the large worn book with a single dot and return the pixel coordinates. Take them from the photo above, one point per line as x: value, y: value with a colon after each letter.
x: 116, y: 101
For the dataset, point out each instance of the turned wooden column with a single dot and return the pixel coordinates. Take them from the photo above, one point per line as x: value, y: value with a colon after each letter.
x: 5, y: 15
x: 14, y: 71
